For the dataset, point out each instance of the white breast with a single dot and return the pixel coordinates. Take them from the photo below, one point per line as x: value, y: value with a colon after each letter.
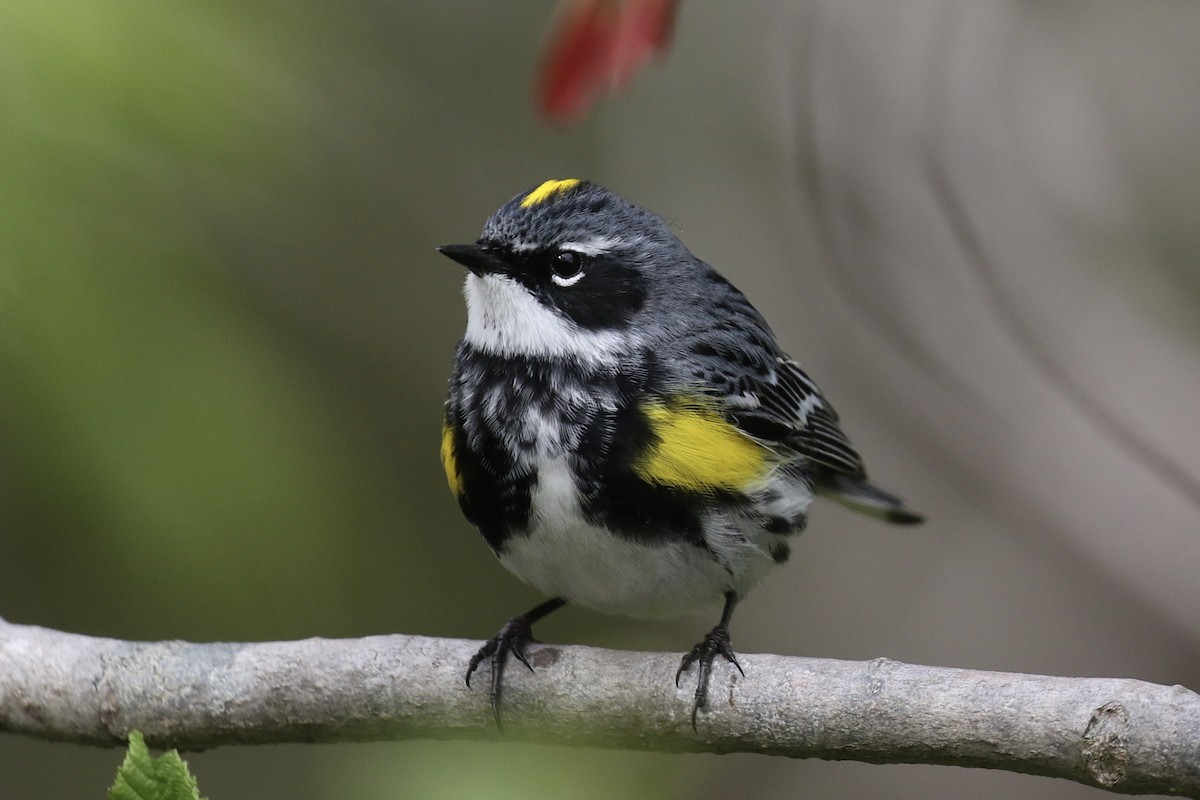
x: 565, y: 555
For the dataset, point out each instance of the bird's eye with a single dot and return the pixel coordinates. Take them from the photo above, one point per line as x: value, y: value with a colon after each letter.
x: 566, y: 267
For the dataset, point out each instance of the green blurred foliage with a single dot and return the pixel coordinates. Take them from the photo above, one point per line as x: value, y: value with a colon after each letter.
x: 155, y: 425
x: 224, y: 336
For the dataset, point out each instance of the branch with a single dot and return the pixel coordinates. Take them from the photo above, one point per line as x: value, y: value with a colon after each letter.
x: 1123, y: 735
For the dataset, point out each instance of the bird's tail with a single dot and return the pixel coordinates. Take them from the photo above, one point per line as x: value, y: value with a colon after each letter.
x: 858, y: 494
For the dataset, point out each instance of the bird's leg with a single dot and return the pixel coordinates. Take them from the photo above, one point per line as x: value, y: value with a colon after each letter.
x: 715, y: 643
x: 512, y: 638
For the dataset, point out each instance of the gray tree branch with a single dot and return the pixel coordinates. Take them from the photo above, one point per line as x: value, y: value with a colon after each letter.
x: 1124, y: 735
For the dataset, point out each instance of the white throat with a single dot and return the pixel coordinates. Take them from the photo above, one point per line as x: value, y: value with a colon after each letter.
x: 505, y: 319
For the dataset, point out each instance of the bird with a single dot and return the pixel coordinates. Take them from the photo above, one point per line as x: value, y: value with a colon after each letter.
x: 622, y: 426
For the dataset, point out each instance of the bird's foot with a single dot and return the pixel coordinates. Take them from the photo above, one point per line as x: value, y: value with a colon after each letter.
x: 513, y: 638
x: 716, y: 643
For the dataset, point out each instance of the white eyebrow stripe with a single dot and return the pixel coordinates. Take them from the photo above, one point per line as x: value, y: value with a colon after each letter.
x: 595, y: 246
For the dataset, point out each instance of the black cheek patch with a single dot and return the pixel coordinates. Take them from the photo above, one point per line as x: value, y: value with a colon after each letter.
x: 607, y: 297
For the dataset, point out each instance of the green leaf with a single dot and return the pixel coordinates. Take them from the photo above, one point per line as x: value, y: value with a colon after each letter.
x: 143, y: 777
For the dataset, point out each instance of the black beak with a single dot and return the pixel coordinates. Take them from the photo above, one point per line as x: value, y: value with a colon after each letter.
x: 473, y: 257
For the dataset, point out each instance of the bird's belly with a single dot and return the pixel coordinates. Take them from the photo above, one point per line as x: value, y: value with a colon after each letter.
x: 590, y: 566
x: 566, y: 555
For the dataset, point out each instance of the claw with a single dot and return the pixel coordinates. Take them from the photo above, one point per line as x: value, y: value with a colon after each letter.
x: 513, y: 638
x: 716, y: 643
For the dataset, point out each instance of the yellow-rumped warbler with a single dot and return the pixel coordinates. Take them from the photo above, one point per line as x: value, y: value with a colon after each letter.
x: 622, y: 426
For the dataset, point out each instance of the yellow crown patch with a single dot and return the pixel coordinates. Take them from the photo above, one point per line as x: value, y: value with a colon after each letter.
x: 547, y: 190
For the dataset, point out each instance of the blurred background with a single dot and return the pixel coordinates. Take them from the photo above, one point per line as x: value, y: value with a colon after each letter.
x: 225, y: 336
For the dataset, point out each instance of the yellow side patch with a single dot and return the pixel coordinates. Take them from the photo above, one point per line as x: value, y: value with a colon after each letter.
x: 698, y: 450
x: 547, y: 190
x: 452, y: 476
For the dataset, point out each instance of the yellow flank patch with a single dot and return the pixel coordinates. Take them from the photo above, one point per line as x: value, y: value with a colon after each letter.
x: 547, y: 190
x: 452, y: 476
x: 698, y: 450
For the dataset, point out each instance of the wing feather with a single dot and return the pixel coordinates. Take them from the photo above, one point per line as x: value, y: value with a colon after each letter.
x: 767, y: 396
x: 770, y: 398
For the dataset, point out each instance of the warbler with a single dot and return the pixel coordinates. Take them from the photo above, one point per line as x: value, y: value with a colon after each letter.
x: 622, y: 426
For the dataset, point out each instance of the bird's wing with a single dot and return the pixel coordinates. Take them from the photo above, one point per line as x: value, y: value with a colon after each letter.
x: 790, y: 397
x: 765, y: 395
x: 769, y: 398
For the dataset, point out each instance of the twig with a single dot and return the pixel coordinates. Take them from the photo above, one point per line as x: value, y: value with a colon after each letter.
x: 1124, y: 735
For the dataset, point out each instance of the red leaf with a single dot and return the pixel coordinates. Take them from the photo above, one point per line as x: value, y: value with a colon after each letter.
x: 597, y: 46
